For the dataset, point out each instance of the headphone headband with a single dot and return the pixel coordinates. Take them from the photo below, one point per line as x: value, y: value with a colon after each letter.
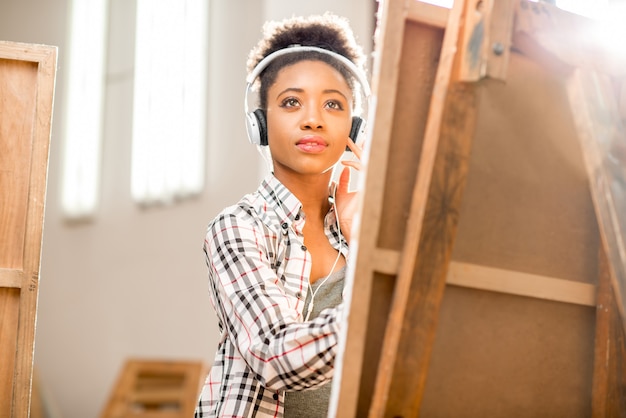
x: 360, y: 76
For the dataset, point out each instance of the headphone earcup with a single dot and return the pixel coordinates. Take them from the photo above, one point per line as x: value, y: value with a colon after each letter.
x: 256, y: 127
x: 357, y: 130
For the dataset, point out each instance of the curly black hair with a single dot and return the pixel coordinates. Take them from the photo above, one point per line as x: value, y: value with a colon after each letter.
x: 327, y: 31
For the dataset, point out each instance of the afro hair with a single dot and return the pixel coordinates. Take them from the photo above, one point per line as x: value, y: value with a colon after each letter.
x: 327, y: 31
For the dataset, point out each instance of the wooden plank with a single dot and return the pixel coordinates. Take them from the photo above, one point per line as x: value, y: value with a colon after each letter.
x: 485, y: 40
x: 609, y: 377
x: 386, y: 261
x: 430, y: 234
x: 11, y: 278
x: 500, y: 38
x: 427, y: 14
x: 396, y: 137
x: 9, y: 312
x: 521, y: 284
x: 351, y: 387
x: 602, y: 135
x: 27, y: 79
x: 18, y: 90
x: 415, y: 310
x: 473, y: 41
x: 602, y: 353
x: 46, y: 77
x: 601, y: 346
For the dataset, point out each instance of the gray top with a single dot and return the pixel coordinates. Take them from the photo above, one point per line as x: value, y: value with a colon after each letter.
x: 314, y: 403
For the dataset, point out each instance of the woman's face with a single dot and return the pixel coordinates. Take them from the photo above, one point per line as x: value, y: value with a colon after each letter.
x: 309, y: 116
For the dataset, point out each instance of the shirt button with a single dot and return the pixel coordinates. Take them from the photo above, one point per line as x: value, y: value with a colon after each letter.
x: 297, y: 217
x: 299, y: 295
x: 303, y: 248
x: 275, y: 396
x: 285, y: 226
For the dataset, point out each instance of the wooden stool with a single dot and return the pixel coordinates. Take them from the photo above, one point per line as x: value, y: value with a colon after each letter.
x: 156, y: 389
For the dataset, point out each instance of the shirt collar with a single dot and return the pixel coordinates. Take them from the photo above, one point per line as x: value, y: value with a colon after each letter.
x: 285, y: 204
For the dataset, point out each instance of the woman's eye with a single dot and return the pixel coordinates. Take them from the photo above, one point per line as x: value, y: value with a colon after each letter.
x: 333, y: 104
x: 290, y: 102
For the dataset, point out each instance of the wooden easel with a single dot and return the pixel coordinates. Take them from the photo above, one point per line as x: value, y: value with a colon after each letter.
x: 156, y: 389
x: 27, y: 77
x: 488, y: 280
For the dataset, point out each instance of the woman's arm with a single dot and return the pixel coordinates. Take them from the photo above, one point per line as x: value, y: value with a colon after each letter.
x: 261, y: 316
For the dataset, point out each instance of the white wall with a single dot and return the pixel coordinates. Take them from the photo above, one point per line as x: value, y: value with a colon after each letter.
x: 132, y: 282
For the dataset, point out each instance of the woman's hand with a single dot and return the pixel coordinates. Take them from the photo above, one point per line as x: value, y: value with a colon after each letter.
x: 346, y: 200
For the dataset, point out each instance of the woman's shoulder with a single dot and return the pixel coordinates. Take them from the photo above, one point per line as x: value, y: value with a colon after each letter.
x: 251, y: 210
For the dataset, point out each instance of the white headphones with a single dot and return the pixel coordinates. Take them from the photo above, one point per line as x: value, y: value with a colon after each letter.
x: 256, y: 125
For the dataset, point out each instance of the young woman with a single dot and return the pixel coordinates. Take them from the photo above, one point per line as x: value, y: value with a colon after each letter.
x: 277, y: 258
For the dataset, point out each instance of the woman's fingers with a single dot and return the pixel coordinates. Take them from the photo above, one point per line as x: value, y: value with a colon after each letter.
x: 356, y: 149
x: 346, y: 203
x: 344, y: 182
x: 351, y: 163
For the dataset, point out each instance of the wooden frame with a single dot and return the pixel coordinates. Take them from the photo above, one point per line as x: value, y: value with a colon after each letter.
x: 488, y: 273
x: 156, y: 388
x: 27, y: 79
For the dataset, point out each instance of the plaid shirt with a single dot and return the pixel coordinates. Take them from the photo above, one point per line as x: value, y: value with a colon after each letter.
x: 258, y: 275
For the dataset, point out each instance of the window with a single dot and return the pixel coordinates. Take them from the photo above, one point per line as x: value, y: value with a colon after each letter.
x: 83, y: 109
x: 169, y: 100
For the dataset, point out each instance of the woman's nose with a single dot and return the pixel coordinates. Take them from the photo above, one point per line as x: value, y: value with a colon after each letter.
x: 312, y: 118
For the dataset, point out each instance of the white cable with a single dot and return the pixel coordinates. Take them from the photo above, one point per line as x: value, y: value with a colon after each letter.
x: 313, y: 293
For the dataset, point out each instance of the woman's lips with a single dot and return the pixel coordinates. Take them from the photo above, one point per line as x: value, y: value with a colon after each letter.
x: 311, y: 145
